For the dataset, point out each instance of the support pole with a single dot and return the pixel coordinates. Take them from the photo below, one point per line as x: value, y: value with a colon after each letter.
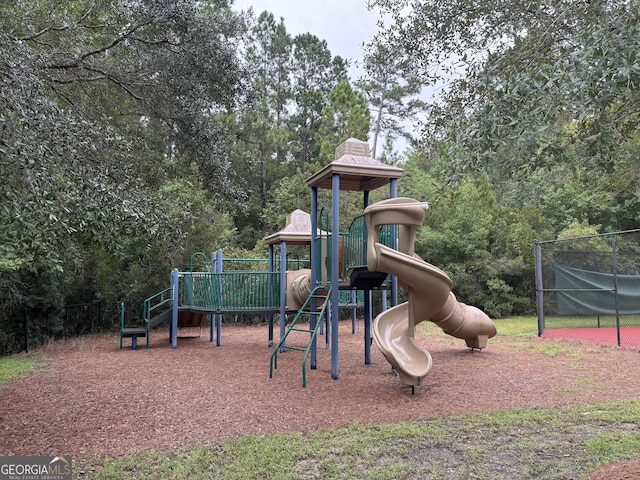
x: 393, y: 193
x: 368, y: 319
x: 271, y: 269
x: 173, y: 331
x: 219, y: 269
x: 368, y: 311
x: 283, y: 290
x: 615, y: 285
x: 212, y: 317
x: 314, y: 270
x: 354, y: 312
x: 335, y: 292
x: 537, y: 254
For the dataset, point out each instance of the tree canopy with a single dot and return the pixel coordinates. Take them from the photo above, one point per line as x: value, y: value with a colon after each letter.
x: 135, y: 133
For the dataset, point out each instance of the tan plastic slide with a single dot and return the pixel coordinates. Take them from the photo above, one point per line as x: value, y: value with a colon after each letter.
x: 428, y: 289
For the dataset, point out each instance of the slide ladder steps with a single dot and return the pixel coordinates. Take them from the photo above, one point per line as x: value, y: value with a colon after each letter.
x: 302, y: 313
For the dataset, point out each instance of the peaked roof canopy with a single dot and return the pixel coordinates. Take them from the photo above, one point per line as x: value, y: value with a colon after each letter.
x: 296, y: 232
x: 357, y: 170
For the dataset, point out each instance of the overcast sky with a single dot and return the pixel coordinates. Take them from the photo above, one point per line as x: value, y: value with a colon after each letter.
x: 344, y: 24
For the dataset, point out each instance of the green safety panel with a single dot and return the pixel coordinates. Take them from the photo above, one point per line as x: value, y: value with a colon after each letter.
x: 356, y: 241
x: 231, y: 291
x: 601, y: 300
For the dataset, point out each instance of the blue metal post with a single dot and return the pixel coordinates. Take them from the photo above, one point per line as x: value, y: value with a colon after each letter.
x: 312, y: 281
x: 367, y: 308
x: 393, y: 193
x: 212, y: 316
x: 368, y: 315
x: 283, y: 290
x: 335, y: 234
x: 219, y: 269
x: 271, y: 269
x: 354, y: 312
x: 173, y: 330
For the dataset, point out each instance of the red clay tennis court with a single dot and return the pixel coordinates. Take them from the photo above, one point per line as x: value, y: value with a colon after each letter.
x: 629, y: 336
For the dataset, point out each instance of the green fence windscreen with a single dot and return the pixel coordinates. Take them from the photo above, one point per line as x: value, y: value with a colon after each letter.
x: 600, y: 299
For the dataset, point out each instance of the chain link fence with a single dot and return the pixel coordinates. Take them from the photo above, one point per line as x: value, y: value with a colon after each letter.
x: 589, y: 288
x: 75, y: 320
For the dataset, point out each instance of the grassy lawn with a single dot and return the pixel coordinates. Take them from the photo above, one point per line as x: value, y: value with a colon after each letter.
x: 538, y: 444
x: 517, y: 444
x: 596, y: 321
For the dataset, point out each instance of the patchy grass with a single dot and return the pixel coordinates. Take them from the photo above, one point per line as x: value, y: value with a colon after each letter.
x: 523, y: 444
x: 13, y: 367
x: 523, y: 327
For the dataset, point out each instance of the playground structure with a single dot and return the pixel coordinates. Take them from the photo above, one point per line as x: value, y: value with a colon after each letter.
x: 376, y: 253
x: 428, y: 289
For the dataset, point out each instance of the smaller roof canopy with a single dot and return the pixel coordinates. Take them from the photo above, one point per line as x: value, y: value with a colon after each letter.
x: 296, y: 232
x: 357, y: 170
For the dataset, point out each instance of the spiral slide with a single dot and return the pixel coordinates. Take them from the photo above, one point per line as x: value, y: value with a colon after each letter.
x: 428, y: 290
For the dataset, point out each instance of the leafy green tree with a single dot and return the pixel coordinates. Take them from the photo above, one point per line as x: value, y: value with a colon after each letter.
x: 315, y: 74
x: 288, y: 194
x: 542, y: 99
x: 345, y: 116
x: 85, y: 84
x: 457, y: 237
x: 102, y: 103
x: 393, y: 92
x: 524, y: 80
x: 260, y: 125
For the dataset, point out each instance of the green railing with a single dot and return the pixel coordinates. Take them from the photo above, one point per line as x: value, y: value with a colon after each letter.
x: 262, y: 264
x: 345, y: 298
x: 305, y: 313
x: 152, y: 304
x: 203, y: 257
x: 356, y: 242
x: 230, y: 291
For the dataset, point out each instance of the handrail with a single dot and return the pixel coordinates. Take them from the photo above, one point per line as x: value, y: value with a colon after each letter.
x: 205, y: 264
x: 324, y: 230
x: 326, y: 293
x: 356, y: 241
x: 164, y: 298
x: 313, y: 337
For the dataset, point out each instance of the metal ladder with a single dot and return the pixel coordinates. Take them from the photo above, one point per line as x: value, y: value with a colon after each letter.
x: 303, y: 313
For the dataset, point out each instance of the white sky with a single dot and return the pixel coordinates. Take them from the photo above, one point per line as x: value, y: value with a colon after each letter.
x: 344, y: 24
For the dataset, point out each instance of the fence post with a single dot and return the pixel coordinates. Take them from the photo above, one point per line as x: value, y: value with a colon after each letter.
x: 26, y: 329
x: 537, y: 253
x: 615, y: 285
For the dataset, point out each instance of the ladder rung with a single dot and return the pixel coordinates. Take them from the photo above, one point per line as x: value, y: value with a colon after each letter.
x: 291, y: 347
x: 292, y: 327
x: 307, y: 330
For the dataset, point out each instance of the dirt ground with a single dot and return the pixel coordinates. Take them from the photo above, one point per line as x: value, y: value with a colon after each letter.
x: 92, y: 399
